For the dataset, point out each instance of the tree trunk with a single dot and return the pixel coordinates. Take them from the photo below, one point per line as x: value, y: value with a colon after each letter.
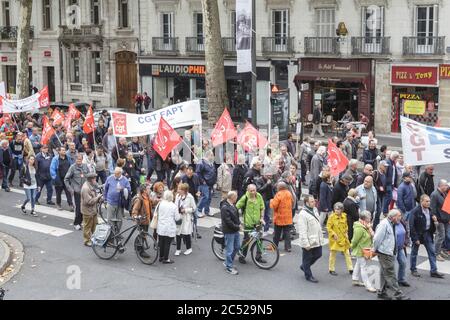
x: 23, y: 48
x: 216, y: 86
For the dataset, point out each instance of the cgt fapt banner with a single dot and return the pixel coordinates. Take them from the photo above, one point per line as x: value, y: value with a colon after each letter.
x: 178, y: 115
x: 423, y: 144
x: 32, y: 103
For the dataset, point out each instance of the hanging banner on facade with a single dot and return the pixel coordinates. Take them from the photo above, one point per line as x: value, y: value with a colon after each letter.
x: 2, y: 89
x: 179, y: 115
x: 414, y: 107
x: 32, y: 103
x: 423, y: 144
x: 244, y: 35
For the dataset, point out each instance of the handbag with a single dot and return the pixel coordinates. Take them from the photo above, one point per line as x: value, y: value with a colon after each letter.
x: 154, y: 222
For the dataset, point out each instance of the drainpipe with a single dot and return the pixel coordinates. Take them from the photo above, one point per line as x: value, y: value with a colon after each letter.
x: 61, y: 64
x: 139, y: 46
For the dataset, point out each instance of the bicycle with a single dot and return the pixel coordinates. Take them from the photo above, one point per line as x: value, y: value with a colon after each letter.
x: 268, y: 249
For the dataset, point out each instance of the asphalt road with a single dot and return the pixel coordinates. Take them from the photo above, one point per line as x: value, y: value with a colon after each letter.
x: 54, y: 256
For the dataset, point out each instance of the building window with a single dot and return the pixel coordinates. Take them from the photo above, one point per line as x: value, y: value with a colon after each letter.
x: 280, y: 26
x: 233, y: 24
x: 6, y: 14
x: 46, y: 15
x: 325, y: 22
x: 167, y: 26
x: 75, y: 67
x: 373, y: 22
x: 95, y: 12
x: 123, y: 14
x: 73, y: 2
x: 426, y: 24
x: 198, y: 27
x: 96, y: 67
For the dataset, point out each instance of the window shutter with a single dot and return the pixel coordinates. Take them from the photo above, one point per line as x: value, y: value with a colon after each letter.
x: 415, y: 16
x: 382, y: 12
x: 436, y: 20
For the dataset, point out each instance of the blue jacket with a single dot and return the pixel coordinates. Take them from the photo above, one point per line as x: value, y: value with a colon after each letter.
x: 55, y: 164
x: 112, y: 195
x: 405, y: 197
x: 43, y: 166
x: 206, y: 173
x: 370, y: 157
x: 326, y: 194
x: 384, y: 238
x: 391, y: 175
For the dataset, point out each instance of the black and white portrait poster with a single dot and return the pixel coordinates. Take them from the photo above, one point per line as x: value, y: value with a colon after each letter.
x: 244, y: 35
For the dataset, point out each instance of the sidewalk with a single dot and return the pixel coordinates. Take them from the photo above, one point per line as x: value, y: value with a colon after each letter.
x: 11, y: 257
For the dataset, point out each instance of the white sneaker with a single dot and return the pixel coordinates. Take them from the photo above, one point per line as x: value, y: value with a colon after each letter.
x: 188, y: 252
x: 77, y: 227
x: 178, y: 252
x: 211, y: 214
x: 200, y: 215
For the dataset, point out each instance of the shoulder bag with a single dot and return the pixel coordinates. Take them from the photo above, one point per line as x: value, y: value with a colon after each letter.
x: 154, y: 222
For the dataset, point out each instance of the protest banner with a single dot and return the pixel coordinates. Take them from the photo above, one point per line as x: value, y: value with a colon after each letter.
x: 30, y: 104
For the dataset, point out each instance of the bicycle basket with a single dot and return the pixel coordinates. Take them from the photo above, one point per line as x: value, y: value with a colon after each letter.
x: 101, y: 234
x: 218, y: 235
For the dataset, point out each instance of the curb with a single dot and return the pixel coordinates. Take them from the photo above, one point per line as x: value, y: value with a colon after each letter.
x: 11, y: 266
x: 5, y: 260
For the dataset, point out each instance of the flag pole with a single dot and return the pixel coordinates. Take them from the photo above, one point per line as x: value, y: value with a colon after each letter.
x: 192, y: 152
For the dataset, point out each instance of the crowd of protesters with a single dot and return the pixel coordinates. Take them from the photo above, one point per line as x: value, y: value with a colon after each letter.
x: 378, y: 206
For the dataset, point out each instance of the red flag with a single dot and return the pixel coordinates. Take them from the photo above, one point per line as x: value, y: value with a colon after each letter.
x: 47, y: 133
x: 44, y: 98
x: 44, y: 120
x: 68, y: 122
x: 224, y: 129
x: 57, y: 117
x: 337, y: 161
x: 446, y: 205
x: 250, y: 138
x: 89, y: 123
x: 166, y: 139
x: 73, y: 112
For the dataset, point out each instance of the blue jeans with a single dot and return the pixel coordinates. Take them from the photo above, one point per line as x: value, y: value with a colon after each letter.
x: 101, y: 175
x: 31, y: 194
x: 150, y: 167
x: 111, y: 163
x: 205, y: 199
x: 429, y: 245
x: 5, y: 178
x: 267, y: 219
x: 309, y: 257
x: 401, y: 259
x: 387, y: 200
x: 49, y: 186
x: 232, y: 246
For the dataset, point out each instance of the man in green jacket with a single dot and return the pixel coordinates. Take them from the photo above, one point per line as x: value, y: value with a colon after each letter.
x: 252, y: 206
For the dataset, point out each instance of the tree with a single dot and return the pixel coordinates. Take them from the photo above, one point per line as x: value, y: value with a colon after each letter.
x: 23, y: 49
x: 216, y: 87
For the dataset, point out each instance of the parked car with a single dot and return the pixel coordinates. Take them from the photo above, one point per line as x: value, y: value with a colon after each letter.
x: 98, y: 112
x: 83, y: 107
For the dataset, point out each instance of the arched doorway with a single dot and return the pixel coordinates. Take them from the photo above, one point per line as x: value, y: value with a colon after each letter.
x: 126, y: 79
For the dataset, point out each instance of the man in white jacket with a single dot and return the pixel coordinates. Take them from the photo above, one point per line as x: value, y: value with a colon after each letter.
x: 311, y: 238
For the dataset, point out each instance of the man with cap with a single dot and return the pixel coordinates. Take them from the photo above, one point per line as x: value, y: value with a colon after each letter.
x: 406, y: 196
x: 89, y: 201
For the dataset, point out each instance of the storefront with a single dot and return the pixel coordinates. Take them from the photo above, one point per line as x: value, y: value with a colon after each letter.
x: 339, y: 85
x: 415, y: 94
x: 170, y: 83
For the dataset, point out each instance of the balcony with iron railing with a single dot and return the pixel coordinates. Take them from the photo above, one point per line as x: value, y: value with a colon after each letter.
x: 85, y: 34
x: 371, y: 45
x: 10, y: 33
x: 229, y: 46
x: 433, y: 46
x: 322, y: 46
x: 195, y: 45
x: 277, y: 45
x: 165, y: 45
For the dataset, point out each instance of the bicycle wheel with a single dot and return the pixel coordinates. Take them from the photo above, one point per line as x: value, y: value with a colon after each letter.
x: 101, y: 209
x: 269, y: 254
x: 106, y: 251
x: 146, y: 248
x: 218, y: 249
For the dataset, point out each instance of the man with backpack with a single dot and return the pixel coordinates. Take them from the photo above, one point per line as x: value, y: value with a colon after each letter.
x: 253, y: 174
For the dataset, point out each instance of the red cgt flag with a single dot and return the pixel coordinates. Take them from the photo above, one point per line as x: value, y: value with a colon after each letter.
x: 446, y: 205
x: 73, y: 112
x: 250, y: 138
x: 89, y: 123
x: 337, y: 161
x: 57, y: 117
x: 47, y: 132
x: 224, y: 129
x: 166, y: 139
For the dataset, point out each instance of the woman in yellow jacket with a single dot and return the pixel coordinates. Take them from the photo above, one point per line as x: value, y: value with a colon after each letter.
x: 338, y: 238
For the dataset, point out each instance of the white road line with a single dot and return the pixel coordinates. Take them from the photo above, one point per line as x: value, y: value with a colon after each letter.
x: 51, y: 211
x: 19, y: 191
x: 443, y: 267
x: 33, y: 226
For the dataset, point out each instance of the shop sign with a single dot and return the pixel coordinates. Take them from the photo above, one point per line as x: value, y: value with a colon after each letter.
x: 410, y: 96
x: 414, y: 107
x: 334, y: 67
x: 171, y: 70
x: 444, y: 71
x: 47, y: 54
x: 4, y: 59
x: 414, y: 76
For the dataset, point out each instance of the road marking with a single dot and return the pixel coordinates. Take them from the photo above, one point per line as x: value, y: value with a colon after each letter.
x: 51, y: 211
x: 33, y: 226
x: 443, y: 267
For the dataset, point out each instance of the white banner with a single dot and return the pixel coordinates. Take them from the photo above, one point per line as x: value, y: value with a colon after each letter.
x: 32, y: 103
x: 179, y: 115
x: 2, y: 89
x: 423, y: 144
x: 244, y: 35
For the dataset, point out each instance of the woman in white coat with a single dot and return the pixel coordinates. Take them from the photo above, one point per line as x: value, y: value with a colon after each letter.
x: 168, y: 214
x: 185, y: 203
